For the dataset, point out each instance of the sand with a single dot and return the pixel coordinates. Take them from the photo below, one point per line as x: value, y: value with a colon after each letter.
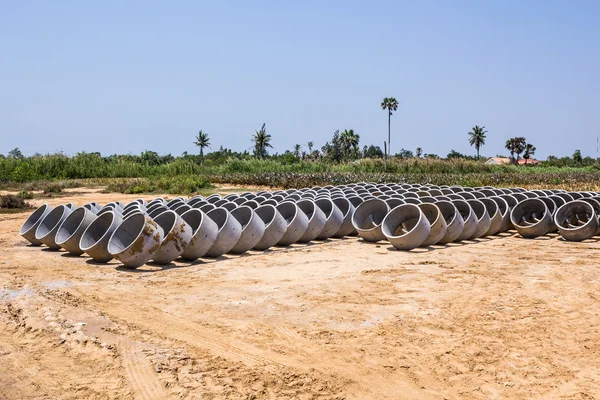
x: 492, y: 318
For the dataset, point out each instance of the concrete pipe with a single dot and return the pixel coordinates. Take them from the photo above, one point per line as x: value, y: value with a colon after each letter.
x: 435, y: 192
x: 565, y: 196
x: 368, y: 217
x: 316, y: 220
x: 182, y: 209
x: 271, y: 202
x: 297, y: 222
x: 204, y: 234
x: 229, y: 232
x: 259, y: 199
x: 220, y: 202
x: 347, y: 210
x: 495, y: 216
x: 409, y: 195
x: 71, y: 230
x: 48, y: 227
x: 157, y: 211
x: 158, y: 200
x: 251, y: 203
x: 30, y: 225
x: 530, y: 195
x: 531, y: 218
x: 412, y: 200
x: 551, y: 205
x: 467, y: 195
x: 154, y: 207
x: 334, y: 218
x: 576, y: 221
x: 240, y: 200
x: 232, y: 196
x: 197, y: 203
x: 207, y: 208
x: 177, y: 235
x: 394, y: 202
x: 355, y: 200
x: 278, y: 198
x: 253, y: 229
x: 478, y: 195
x: 575, y: 195
x: 483, y: 218
x: 135, y: 241
x: 427, y: 199
x: 469, y: 219
x: 454, y: 221
x: 488, y: 192
x: 213, y: 198
x: 134, y: 205
x: 93, y: 209
x: 437, y: 223
x: 132, y: 211
x: 596, y: 205
x: 275, y: 226
x: 455, y: 197
x: 519, y: 196
x: 585, y: 195
x: 94, y: 240
x: 406, y: 227
x: 504, y: 210
x: 230, y: 206
x: 175, y: 202
x: 559, y: 201
x: 71, y: 206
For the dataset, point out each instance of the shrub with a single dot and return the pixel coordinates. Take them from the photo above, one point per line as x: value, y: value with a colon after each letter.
x: 24, y: 194
x: 12, y: 202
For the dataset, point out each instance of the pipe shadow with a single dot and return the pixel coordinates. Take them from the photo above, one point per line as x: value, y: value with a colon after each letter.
x: 49, y: 250
x: 91, y: 261
x: 71, y: 255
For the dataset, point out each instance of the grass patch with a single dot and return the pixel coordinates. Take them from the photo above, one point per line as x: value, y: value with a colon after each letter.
x: 176, y: 185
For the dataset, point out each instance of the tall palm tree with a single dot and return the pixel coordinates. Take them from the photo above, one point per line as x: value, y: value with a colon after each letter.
x: 477, y: 137
x: 516, y: 146
x: 310, y: 146
x: 419, y: 152
x: 390, y: 104
x: 297, y: 149
x: 529, y: 151
x: 202, y: 141
x: 262, y: 141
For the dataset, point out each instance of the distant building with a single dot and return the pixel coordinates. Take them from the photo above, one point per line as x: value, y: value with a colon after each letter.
x: 506, y: 160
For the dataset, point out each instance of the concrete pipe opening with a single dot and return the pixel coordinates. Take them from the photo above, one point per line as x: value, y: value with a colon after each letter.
x: 248, y: 195
x: 251, y: 203
x: 278, y: 198
x: 182, y: 209
x: 333, y: 215
x: 157, y: 211
x: 271, y: 202
x: 229, y: 232
x: 132, y: 211
x: 368, y: 217
x: 347, y: 210
x: 565, y: 196
x: 552, y: 208
x: 495, y: 215
x: 135, y: 241
x: 483, y: 218
x: 207, y: 208
x: 504, y: 210
x: 31, y: 224
x: 94, y: 240
x: 275, y: 226
x: 531, y: 218
x: 220, y: 202
x: 316, y: 220
x: 213, y: 198
x: 394, y: 202
x: 469, y: 219
x: 48, y: 227
x: 412, y: 200
x: 230, y: 206
x: 177, y: 235
x: 240, y: 200
x: 596, y: 206
x: 232, y: 196
x: 175, y: 202
x: 204, y: 234
x: 70, y: 231
x: 454, y: 221
x: 297, y: 222
x: 93, y: 209
x: 576, y: 195
x: 154, y: 207
x: 467, y: 195
x: 437, y: 223
x: 455, y: 197
x: 576, y: 221
x: 253, y: 229
x: 406, y: 227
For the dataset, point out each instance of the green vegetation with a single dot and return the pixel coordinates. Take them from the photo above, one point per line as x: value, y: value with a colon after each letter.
x: 477, y: 137
x: 202, y: 141
x: 172, y: 185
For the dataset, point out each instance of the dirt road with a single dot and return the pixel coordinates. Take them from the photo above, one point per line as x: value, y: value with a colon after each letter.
x: 492, y: 318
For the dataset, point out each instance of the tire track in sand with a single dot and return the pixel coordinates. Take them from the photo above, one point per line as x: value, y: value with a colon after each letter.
x: 139, y: 373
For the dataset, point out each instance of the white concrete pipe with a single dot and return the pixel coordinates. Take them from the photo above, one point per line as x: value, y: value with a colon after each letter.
x: 483, y: 218
x: 204, y: 234
x: 253, y: 229
x: 454, y: 221
x: 437, y: 223
x: 406, y: 227
x: 297, y: 222
x: 135, y: 241
x: 177, y: 235
x: 48, y: 227
x: 275, y: 226
x: 316, y: 220
x: 229, y: 233
x: 531, y: 218
x: 30, y: 225
x: 71, y: 230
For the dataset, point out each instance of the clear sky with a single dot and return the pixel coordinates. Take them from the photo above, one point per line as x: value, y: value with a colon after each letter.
x: 126, y: 76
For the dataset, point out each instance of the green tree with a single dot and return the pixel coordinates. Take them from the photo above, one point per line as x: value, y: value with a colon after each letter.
x: 262, y: 141
x: 202, y: 141
x: 577, y: 156
x: 390, y: 104
x: 404, y: 154
x: 419, y: 152
x: 350, y: 142
x: 310, y: 146
x: 477, y: 137
x: 515, y: 146
x: 297, y: 150
x: 529, y: 151
x: 334, y: 150
x: 15, y: 153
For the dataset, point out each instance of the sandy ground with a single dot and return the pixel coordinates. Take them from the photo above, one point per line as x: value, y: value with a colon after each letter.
x: 494, y: 318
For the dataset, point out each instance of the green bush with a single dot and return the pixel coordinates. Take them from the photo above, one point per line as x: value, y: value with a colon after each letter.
x: 24, y: 194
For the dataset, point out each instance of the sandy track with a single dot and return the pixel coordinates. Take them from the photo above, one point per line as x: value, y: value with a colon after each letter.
x: 494, y: 318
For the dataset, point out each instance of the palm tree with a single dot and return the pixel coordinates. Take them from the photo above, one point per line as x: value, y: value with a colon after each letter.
x: 477, y: 137
x: 419, y: 152
x: 202, y: 141
x: 350, y: 142
x: 310, y: 146
x: 390, y: 104
x: 262, y: 141
x: 297, y: 149
x: 529, y: 151
x: 516, y: 146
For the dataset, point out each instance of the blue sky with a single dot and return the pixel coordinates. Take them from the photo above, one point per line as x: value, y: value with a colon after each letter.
x: 126, y: 76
